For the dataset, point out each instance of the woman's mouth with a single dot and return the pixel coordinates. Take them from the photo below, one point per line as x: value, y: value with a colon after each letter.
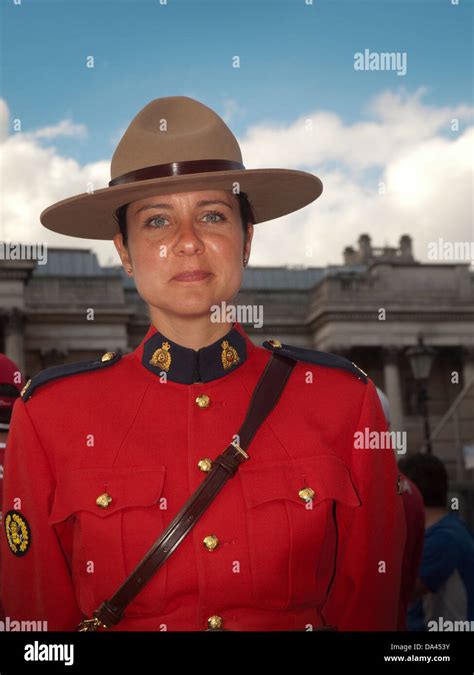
x: 197, y: 275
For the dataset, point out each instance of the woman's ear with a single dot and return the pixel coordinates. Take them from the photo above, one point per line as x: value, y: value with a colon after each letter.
x: 248, y: 241
x: 123, y: 252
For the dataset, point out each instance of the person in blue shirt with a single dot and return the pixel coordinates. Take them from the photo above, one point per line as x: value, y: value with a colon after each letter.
x: 444, y: 592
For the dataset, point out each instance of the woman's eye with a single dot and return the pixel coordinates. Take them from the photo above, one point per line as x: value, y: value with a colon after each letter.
x: 158, y: 222
x: 153, y: 220
x: 214, y: 213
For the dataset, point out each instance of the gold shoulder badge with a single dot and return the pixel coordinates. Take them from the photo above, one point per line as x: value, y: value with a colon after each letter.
x: 18, y: 533
x: 108, y: 356
x: 161, y: 357
x: 275, y: 343
x: 229, y: 355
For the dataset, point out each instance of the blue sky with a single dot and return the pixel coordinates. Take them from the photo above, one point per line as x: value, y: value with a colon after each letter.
x: 296, y: 61
x: 292, y: 56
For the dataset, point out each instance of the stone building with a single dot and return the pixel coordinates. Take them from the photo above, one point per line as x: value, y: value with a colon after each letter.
x: 371, y: 309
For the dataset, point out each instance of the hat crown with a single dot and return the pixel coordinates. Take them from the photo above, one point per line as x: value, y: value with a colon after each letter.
x: 173, y: 129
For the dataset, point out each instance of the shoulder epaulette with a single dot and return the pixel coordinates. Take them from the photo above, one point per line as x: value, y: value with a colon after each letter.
x: 55, y: 372
x: 319, y: 358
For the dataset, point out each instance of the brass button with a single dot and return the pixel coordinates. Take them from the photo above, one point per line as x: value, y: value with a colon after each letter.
x: 203, y: 401
x: 211, y: 542
x: 103, y: 500
x: 25, y: 388
x: 215, y: 622
x: 306, y: 494
x: 275, y: 343
x: 108, y: 356
x: 205, y: 464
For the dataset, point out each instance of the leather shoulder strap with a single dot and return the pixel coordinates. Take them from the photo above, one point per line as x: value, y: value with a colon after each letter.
x: 264, y: 398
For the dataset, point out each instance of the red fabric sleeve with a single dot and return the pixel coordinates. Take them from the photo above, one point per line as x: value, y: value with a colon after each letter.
x: 371, y: 537
x: 36, y: 586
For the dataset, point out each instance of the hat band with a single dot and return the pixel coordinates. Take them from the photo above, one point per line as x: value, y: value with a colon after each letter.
x: 177, y: 169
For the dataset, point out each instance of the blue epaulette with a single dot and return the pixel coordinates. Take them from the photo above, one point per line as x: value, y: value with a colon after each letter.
x: 319, y: 358
x: 56, y: 372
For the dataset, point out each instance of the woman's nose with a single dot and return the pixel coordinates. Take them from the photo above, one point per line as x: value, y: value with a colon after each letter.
x: 187, y: 238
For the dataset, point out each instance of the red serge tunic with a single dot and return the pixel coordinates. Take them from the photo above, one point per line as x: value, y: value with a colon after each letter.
x: 99, y: 463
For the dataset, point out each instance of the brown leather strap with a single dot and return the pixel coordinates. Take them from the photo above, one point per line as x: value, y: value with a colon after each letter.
x: 177, y: 169
x: 264, y: 398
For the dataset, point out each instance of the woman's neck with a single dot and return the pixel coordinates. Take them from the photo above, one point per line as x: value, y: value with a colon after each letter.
x: 193, y: 333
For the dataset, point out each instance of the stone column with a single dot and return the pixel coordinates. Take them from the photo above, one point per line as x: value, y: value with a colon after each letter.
x: 468, y: 364
x: 392, y: 388
x: 14, y: 337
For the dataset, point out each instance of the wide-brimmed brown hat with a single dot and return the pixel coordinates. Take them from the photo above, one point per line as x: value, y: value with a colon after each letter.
x: 177, y: 144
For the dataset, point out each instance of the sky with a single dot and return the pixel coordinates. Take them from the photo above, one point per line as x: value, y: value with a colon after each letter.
x: 383, y: 142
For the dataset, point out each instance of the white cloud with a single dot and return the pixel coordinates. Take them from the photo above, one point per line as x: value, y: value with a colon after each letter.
x: 425, y: 169
x: 35, y: 176
x: 402, y: 142
x: 64, y: 128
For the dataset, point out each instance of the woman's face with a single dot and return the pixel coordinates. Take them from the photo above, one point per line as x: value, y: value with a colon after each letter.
x: 171, y: 234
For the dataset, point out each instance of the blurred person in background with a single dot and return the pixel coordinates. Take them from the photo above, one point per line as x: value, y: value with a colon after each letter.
x: 415, y: 523
x: 444, y: 590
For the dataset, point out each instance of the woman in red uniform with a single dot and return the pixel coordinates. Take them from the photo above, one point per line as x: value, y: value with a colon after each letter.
x: 103, y: 454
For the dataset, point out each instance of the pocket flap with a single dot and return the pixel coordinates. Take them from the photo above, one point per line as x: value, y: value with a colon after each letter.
x: 79, y: 489
x: 327, y: 475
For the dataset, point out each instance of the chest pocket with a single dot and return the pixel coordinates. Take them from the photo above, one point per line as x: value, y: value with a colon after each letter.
x: 292, y: 539
x: 110, y: 540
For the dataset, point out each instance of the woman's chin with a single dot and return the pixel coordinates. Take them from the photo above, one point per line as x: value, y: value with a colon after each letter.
x: 187, y: 309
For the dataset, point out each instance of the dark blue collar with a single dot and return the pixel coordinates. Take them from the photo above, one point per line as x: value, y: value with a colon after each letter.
x: 184, y: 365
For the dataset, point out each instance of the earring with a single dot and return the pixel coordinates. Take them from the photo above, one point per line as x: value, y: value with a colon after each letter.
x: 129, y: 270
x: 245, y: 261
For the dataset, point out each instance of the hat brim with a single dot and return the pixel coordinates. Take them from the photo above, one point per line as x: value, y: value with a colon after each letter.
x: 272, y: 193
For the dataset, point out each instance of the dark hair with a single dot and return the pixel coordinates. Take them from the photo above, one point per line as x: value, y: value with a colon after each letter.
x: 246, y: 216
x: 429, y: 475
